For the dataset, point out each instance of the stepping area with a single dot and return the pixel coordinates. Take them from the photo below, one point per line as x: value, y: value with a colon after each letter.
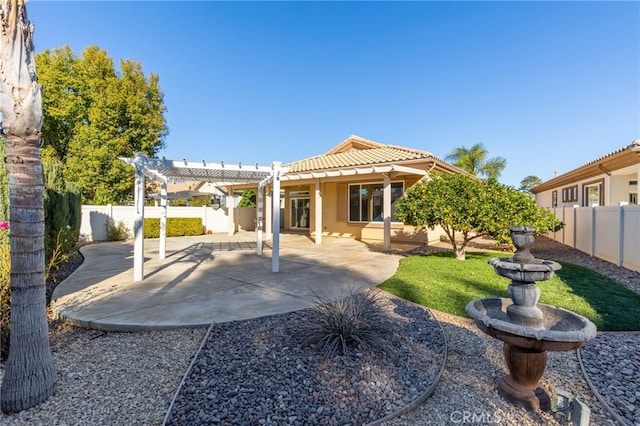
x: 212, y: 278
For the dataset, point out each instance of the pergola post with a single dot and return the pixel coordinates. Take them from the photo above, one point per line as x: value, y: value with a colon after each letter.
x: 386, y: 211
x: 162, y: 247
x: 224, y: 175
x: 138, y: 222
x: 259, y: 210
x: 318, y: 212
x: 268, y: 222
x: 231, y: 213
x: 275, y: 251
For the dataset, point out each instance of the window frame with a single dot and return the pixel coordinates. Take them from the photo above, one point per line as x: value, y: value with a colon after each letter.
x: 370, y: 183
x: 292, y: 219
x: 570, y: 194
x: 599, y: 183
x: 633, y: 192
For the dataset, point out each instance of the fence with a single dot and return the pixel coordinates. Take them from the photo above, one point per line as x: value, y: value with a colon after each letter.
x: 611, y: 233
x: 95, y: 218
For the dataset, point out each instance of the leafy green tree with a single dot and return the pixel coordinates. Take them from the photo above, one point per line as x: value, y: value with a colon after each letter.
x: 529, y: 182
x: 248, y: 198
x: 94, y: 114
x: 471, y: 208
x: 475, y: 161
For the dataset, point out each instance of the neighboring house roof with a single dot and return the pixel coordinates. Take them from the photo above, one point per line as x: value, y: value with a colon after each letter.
x: 183, y: 186
x: 616, y: 160
x: 187, y: 189
x: 356, y: 151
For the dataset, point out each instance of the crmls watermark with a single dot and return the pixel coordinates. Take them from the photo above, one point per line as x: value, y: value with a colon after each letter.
x: 458, y: 417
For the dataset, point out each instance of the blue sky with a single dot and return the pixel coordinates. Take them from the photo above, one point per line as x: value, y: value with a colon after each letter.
x: 549, y: 86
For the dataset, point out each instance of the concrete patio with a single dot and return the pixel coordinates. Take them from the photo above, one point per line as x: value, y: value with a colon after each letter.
x: 212, y: 278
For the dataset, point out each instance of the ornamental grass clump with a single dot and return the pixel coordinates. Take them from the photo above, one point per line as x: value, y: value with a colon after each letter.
x: 354, y: 322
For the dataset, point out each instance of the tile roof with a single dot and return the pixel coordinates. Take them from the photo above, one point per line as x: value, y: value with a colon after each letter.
x: 357, y: 151
x: 633, y: 147
x: 183, y: 186
x: 619, y: 159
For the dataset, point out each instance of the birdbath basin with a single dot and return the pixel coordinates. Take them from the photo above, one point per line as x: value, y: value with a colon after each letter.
x: 528, y: 329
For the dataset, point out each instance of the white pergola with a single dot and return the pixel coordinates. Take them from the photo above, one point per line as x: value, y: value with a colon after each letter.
x: 219, y: 174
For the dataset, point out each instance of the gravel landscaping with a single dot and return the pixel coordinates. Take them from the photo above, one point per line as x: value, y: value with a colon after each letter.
x: 253, y: 372
x: 249, y: 373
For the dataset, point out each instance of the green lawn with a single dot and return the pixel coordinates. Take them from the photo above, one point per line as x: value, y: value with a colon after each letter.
x: 441, y: 282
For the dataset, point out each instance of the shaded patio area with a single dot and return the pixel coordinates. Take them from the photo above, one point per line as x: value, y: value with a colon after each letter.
x: 212, y: 278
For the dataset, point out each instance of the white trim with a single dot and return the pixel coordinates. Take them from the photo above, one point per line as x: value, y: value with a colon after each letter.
x: 275, y: 250
x: 354, y: 171
x: 386, y: 210
x: 162, y: 249
x: 259, y: 213
x: 318, y: 211
x: 138, y: 221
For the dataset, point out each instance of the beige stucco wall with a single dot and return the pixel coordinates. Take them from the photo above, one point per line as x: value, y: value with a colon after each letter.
x: 616, y: 191
x: 335, y: 212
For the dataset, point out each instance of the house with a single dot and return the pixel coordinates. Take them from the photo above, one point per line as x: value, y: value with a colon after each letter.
x: 606, y: 181
x: 185, y: 190
x: 352, y: 188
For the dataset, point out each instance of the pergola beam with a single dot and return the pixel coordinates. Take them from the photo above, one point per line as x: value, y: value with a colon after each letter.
x: 220, y: 174
x: 354, y: 171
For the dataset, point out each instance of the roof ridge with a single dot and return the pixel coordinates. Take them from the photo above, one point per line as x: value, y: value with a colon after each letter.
x: 349, y: 143
x: 404, y: 148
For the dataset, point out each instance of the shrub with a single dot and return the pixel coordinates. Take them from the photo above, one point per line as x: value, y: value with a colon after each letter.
x: 176, y: 227
x: 197, y: 201
x: 248, y: 198
x: 5, y: 301
x: 116, y: 231
x: 354, y: 321
x: 62, y: 211
x: 59, y: 254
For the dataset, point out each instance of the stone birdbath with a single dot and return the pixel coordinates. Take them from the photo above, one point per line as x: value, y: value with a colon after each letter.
x: 527, y: 328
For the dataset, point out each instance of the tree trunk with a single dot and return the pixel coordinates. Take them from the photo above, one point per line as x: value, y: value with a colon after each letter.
x: 30, y: 375
x: 30, y: 372
x: 458, y: 250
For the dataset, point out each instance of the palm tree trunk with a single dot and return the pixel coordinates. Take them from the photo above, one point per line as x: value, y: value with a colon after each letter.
x: 30, y: 374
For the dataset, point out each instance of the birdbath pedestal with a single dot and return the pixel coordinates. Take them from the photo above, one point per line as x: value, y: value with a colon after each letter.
x: 527, y: 328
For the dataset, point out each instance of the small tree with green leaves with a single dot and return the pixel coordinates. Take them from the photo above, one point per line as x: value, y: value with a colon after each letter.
x: 248, y: 198
x: 471, y: 208
x: 529, y: 182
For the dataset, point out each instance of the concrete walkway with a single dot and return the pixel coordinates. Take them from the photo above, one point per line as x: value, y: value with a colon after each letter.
x: 212, y: 278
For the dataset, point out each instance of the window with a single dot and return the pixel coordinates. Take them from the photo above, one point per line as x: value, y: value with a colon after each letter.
x: 633, y: 192
x: 366, y: 201
x: 593, y: 193
x: 570, y: 194
x: 300, y: 213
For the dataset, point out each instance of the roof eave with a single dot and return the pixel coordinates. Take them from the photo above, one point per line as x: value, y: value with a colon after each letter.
x: 624, y: 158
